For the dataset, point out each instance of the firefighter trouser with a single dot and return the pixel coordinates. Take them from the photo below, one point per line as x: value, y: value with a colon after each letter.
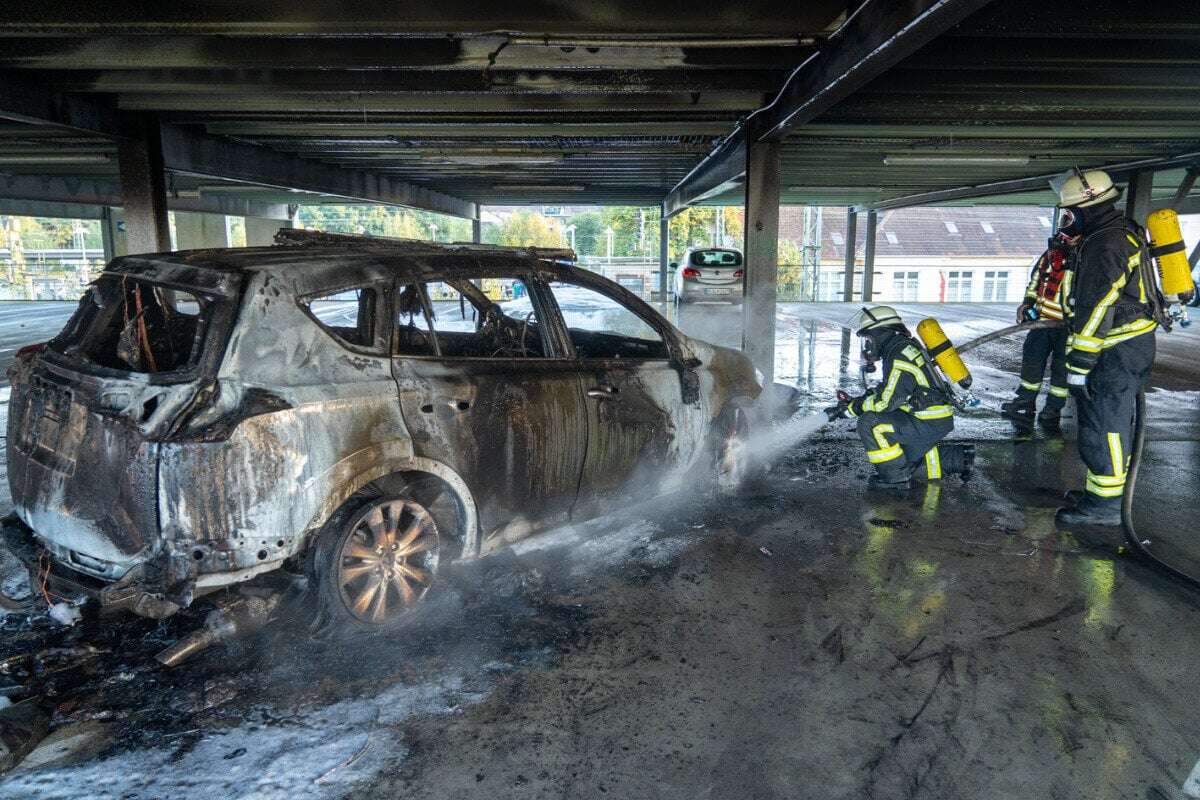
x: 1042, y: 344
x: 897, y: 442
x: 1106, y: 420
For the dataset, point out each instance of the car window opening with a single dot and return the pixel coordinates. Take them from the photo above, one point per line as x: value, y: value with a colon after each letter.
x: 458, y: 324
x: 136, y: 326
x: 601, y: 327
x: 347, y: 314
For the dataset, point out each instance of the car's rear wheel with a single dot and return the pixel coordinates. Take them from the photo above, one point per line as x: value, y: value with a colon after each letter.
x: 378, y: 561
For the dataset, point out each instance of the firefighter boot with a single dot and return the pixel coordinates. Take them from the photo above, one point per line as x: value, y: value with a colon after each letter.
x: 890, y: 478
x: 1020, y: 411
x: 957, y: 459
x: 1050, y: 417
x: 1091, y: 510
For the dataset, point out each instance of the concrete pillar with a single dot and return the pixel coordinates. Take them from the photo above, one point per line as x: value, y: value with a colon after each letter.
x: 868, y: 284
x: 477, y: 225
x: 260, y: 231
x: 851, y: 255
x: 144, y: 187
x: 762, y: 255
x: 664, y: 257
x: 200, y: 231
x: 1138, y: 196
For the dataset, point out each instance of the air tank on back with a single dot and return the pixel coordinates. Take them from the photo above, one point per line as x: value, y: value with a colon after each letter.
x: 1170, y: 253
x: 943, y: 352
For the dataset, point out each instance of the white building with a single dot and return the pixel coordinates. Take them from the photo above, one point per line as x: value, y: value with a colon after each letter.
x: 949, y: 254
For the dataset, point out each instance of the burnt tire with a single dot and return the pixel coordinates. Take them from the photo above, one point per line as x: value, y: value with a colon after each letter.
x: 733, y: 464
x: 375, y: 560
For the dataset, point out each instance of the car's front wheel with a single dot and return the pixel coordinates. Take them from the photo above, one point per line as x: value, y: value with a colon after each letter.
x: 377, y: 561
x: 733, y: 458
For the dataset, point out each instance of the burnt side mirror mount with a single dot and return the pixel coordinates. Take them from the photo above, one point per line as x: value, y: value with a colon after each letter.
x: 689, y: 379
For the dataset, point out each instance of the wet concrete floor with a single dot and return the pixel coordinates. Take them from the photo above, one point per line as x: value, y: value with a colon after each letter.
x: 807, y: 639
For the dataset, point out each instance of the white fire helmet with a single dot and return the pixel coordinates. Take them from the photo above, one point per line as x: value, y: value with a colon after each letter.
x: 876, y: 317
x: 1083, y: 189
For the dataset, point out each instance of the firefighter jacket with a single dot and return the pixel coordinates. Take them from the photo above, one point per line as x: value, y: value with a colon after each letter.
x: 1106, y: 299
x: 1044, y: 291
x: 909, y: 384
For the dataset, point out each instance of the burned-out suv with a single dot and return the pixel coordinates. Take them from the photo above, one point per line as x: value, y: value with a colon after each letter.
x: 361, y: 410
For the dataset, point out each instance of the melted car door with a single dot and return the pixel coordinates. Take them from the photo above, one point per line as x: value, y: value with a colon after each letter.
x: 643, y: 438
x: 486, y: 395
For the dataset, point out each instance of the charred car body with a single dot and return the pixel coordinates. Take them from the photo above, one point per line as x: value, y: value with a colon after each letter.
x: 360, y: 410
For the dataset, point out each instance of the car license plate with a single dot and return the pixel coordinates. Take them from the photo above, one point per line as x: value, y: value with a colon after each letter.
x: 717, y: 291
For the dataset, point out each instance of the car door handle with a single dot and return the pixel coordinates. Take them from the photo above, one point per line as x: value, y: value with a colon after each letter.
x: 603, y: 392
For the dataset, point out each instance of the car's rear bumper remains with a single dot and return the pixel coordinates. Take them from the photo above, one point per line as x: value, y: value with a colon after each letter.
x: 150, y: 589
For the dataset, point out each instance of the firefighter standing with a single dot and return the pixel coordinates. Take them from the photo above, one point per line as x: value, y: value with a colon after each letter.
x: 1111, y: 344
x: 902, y: 420
x: 1043, y: 300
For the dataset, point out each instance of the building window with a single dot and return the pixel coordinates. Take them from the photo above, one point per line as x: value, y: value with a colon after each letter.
x: 958, y: 286
x: 951, y: 227
x: 987, y: 227
x: 829, y: 285
x: 891, y: 237
x: 995, y: 286
x: 838, y: 239
x: 904, y: 286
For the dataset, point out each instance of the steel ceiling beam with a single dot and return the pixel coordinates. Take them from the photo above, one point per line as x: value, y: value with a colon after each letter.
x: 228, y: 81
x: 50, y: 196
x: 210, y: 156
x: 386, y: 18
x: 213, y: 157
x: 1119, y: 172
x: 873, y: 39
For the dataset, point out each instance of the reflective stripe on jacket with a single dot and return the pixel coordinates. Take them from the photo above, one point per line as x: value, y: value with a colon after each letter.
x: 905, y: 377
x: 1106, y: 299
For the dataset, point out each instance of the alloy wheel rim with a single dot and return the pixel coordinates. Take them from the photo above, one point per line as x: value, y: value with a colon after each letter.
x: 388, y: 561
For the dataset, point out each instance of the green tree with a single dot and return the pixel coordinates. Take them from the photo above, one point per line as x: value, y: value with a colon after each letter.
x: 529, y: 229
x: 589, y: 233
x: 790, y: 271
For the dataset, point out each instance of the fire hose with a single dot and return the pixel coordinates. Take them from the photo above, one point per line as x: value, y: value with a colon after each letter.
x: 1136, y: 544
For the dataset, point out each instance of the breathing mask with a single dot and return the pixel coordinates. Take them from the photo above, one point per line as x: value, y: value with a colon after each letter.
x: 1071, y: 221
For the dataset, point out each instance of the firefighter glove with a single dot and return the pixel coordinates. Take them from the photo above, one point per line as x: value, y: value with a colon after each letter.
x: 836, y: 412
x: 1077, y: 383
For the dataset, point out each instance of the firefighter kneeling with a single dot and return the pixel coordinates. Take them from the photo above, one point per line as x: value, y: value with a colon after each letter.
x: 902, y: 420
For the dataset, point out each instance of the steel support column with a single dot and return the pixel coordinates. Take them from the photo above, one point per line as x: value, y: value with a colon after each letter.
x: 664, y: 256
x: 851, y: 255
x: 144, y: 187
x: 108, y: 231
x: 477, y: 225
x: 868, y: 284
x: 761, y: 255
x: 1138, y: 196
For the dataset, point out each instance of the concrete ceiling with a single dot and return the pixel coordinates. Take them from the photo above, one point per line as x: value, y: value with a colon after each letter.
x: 1020, y: 88
x: 531, y: 101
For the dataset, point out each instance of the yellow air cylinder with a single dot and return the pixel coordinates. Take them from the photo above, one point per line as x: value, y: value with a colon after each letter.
x: 943, y: 352
x: 1170, y: 252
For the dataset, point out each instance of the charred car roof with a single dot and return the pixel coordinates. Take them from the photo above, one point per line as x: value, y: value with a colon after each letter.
x: 320, y: 255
